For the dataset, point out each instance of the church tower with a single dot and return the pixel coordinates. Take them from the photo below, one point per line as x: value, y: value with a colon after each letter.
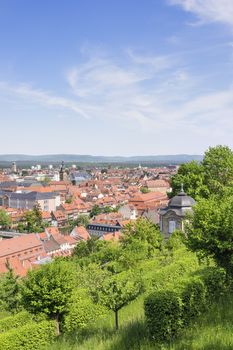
x: 61, y: 172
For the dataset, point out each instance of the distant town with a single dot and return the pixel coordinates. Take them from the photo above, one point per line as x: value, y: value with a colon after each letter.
x: 49, y: 209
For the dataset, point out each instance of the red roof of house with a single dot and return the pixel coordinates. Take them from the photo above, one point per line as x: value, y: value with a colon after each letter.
x: 15, y: 245
x: 80, y: 232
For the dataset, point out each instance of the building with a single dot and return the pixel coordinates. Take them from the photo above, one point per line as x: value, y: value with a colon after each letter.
x: 175, y: 214
x: 98, y: 230
x: 48, y: 201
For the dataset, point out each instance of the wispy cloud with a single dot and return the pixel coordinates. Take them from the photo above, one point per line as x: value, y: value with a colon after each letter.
x: 209, y: 10
x: 45, y: 98
x: 154, y: 94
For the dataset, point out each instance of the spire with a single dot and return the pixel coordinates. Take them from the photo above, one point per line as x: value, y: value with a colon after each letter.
x: 61, y: 172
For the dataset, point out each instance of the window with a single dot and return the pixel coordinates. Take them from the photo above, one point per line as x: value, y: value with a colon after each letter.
x: 172, y: 226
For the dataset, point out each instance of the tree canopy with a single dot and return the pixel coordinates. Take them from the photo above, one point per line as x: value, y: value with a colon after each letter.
x: 48, y: 289
x: 210, y: 231
x: 5, y: 220
x: 211, y: 176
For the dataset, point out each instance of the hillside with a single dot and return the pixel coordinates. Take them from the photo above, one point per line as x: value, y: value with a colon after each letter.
x: 173, y: 159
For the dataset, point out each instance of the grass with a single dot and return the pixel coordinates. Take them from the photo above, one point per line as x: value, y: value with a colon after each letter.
x: 213, y: 331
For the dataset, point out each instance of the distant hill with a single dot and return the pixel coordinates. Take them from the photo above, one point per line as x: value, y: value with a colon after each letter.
x: 55, y: 158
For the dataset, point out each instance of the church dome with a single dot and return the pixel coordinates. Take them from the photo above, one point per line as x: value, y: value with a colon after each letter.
x: 182, y: 200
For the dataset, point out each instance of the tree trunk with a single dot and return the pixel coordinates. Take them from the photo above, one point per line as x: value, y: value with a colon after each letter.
x: 116, y: 320
x: 58, y: 332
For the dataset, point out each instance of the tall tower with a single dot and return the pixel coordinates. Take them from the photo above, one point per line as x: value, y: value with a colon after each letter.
x: 61, y: 172
x: 13, y: 167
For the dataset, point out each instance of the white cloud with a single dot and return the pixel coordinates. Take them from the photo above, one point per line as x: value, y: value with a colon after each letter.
x: 45, y: 98
x: 151, y: 95
x: 209, y: 10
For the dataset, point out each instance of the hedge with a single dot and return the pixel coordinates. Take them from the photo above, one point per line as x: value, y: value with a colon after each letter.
x: 82, y: 313
x: 14, y: 321
x: 168, y: 311
x: 31, y: 336
x: 171, y: 273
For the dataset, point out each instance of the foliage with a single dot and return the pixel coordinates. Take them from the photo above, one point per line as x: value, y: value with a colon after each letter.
x: 82, y: 220
x: 192, y: 176
x: 118, y: 290
x: 49, y: 289
x: 211, y: 176
x: 30, y: 336
x: 82, y: 313
x: 69, y: 200
x: 9, y: 291
x: 15, y: 321
x: 96, y: 210
x: 163, y: 312
x: 142, y: 232
x: 144, y: 189
x: 34, y: 221
x: 169, y: 310
x: 218, y: 165
x: 210, y: 231
x: 5, y: 220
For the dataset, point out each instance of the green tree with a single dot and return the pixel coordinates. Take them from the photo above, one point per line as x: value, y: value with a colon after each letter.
x: 9, y: 291
x: 82, y: 220
x: 5, y: 220
x: 119, y: 290
x: 48, y: 290
x: 46, y: 181
x: 142, y: 231
x: 144, y: 189
x: 210, y: 231
x: 192, y: 176
x: 96, y: 210
x: 218, y: 168
x: 33, y: 219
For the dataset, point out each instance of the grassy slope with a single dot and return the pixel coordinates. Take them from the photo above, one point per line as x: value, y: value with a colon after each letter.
x: 213, y: 331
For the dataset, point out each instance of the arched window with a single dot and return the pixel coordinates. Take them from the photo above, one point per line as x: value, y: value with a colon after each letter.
x: 172, y: 226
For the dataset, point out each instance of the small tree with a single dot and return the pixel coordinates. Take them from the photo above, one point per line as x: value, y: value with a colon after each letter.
x: 82, y: 220
x: 144, y: 189
x: 118, y: 291
x: 143, y: 231
x: 49, y: 289
x: 5, y: 220
x: 9, y: 290
x: 96, y: 210
x: 33, y: 219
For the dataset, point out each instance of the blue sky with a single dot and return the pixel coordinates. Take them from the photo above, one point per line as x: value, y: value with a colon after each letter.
x: 115, y: 77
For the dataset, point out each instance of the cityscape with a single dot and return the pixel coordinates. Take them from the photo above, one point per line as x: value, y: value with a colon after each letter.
x: 116, y: 175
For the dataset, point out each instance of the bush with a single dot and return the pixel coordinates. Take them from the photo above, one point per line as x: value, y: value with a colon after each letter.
x: 215, y: 280
x: 170, y: 274
x: 163, y: 312
x: 168, y: 311
x: 31, y: 336
x: 15, y: 321
x: 193, y: 295
x: 82, y: 312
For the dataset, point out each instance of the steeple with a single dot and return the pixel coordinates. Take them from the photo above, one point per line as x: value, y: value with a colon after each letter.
x: 61, y: 172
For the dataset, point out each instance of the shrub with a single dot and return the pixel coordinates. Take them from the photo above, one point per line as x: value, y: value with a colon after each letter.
x: 82, y: 312
x: 15, y: 321
x: 193, y: 294
x: 215, y: 280
x: 31, y: 336
x: 169, y: 310
x: 163, y: 312
x: 170, y: 274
